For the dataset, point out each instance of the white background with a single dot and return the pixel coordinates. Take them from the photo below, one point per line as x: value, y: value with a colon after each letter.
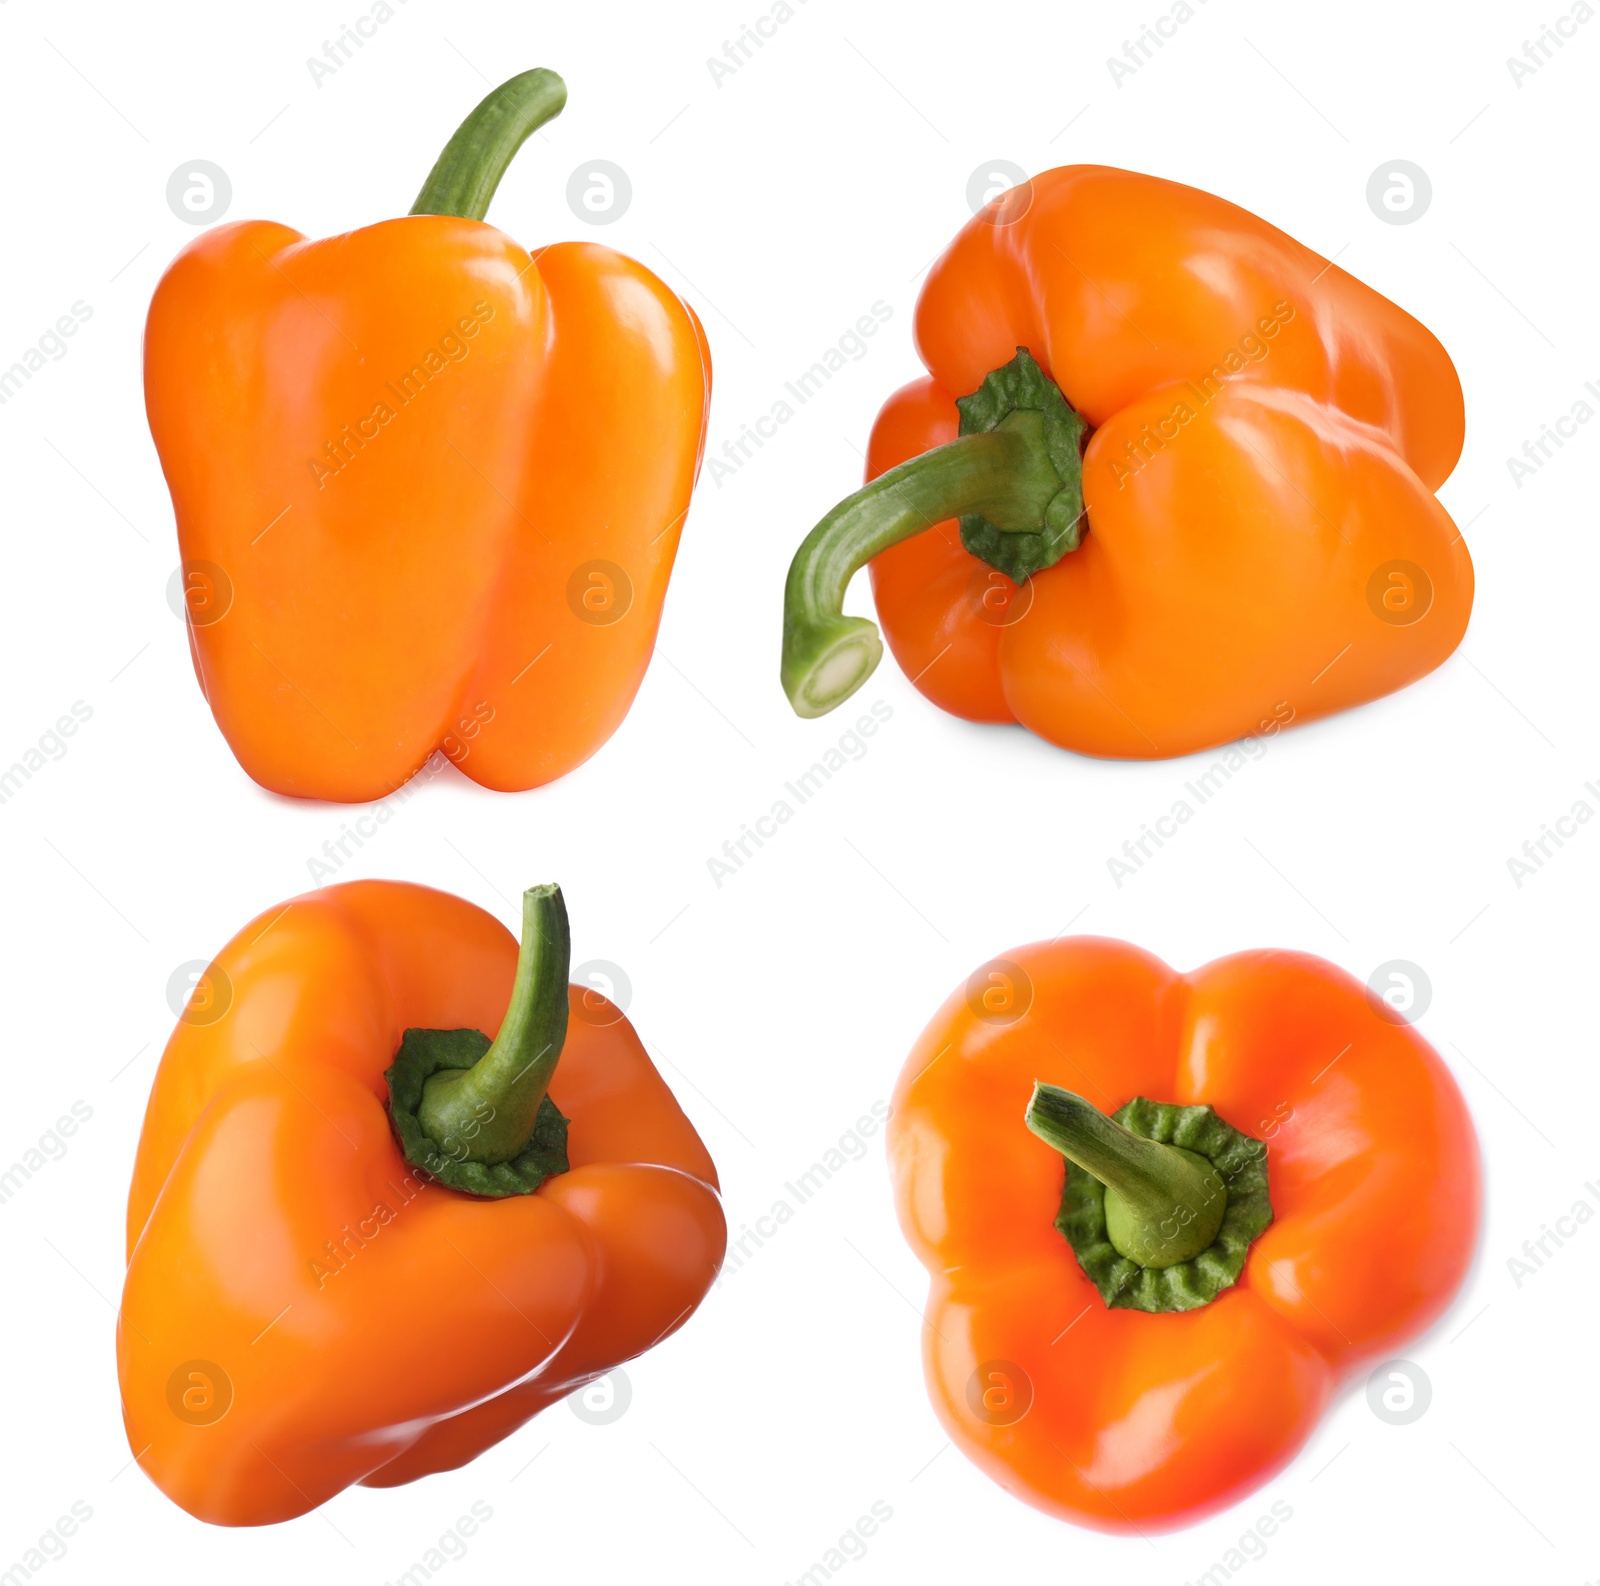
x: 823, y: 175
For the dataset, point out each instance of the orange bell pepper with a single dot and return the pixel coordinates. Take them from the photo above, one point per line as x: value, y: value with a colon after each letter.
x: 1194, y: 477
x: 428, y: 486
x: 364, y: 1243
x: 1136, y: 1320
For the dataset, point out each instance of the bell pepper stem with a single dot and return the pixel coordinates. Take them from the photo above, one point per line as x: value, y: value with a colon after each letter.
x: 486, y: 1113
x: 1005, y: 474
x: 465, y: 176
x: 1164, y: 1205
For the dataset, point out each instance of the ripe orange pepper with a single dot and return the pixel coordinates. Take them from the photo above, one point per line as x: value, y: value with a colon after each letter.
x: 310, y: 1303
x: 428, y: 486
x: 1144, y: 1332
x: 1251, y: 524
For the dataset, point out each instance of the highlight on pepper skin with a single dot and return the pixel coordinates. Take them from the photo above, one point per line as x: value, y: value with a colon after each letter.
x: 428, y: 485
x: 365, y: 1241
x: 1165, y: 1216
x: 1170, y: 473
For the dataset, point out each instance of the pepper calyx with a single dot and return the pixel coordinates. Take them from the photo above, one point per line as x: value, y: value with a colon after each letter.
x: 474, y: 1113
x: 424, y: 1053
x: 1238, y: 1161
x: 1021, y: 386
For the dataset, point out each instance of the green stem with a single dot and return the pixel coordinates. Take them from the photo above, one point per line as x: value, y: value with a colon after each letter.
x: 464, y: 177
x: 486, y: 1113
x: 1004, y: 474
x: 1163, y: 1204
x: 1014, y: 478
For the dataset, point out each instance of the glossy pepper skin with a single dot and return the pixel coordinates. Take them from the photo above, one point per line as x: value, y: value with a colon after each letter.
x: 369, y: 1325
x: 1140, y: 1421
x: 428, y: 489
x: 1267, y: 435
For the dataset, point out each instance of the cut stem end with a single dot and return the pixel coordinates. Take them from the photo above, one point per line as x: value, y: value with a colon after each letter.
x: 830, y: 661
